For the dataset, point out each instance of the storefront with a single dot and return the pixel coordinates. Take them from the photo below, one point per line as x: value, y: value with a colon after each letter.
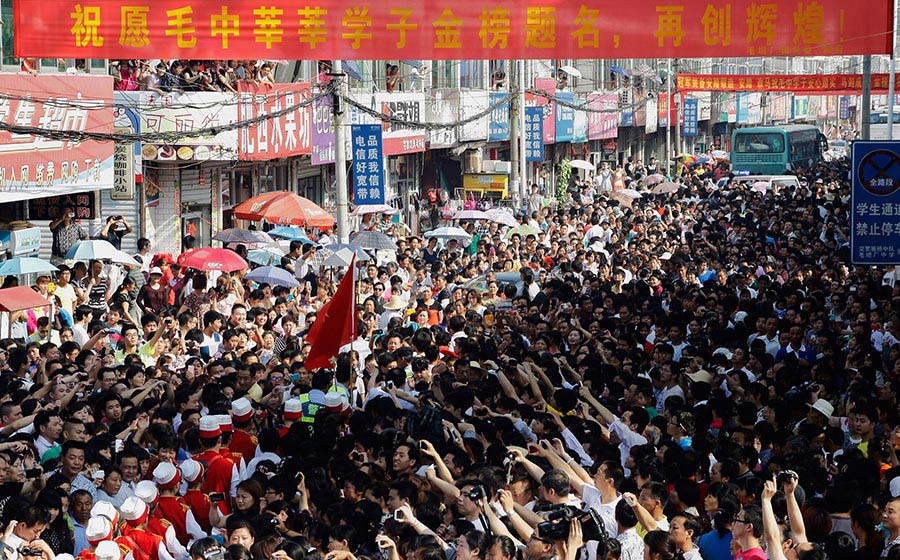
x: 39, y: 175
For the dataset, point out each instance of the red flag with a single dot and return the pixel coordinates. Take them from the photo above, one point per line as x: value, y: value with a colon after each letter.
x: 334, y: 326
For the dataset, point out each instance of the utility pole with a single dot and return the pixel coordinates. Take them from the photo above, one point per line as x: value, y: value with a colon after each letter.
x: 678, y: 147
x: 515, y: 151
x: 340, y: 153
x: 523, y: 164
x: 893, y: 72
x: 866, y: 98
x: 669, y: 153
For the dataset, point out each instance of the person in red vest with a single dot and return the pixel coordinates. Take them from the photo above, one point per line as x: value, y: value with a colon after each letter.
x: 193, y: 472
x: 243, y: 440
x: 172, y: 507
x: 239, y: 463
x: 147, y: 492
x: 99, y: 530
x: 144, y: 544
x: 220, y: 472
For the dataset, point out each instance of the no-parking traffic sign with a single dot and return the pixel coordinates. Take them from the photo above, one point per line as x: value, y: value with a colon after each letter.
x: 875, y: 203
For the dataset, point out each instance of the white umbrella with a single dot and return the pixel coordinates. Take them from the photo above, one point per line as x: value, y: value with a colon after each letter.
x: 571, y: 70
x: 630, y: 193
x: 471, y: 215
x: 97, y: 249
x: 122, y: 257
x: 581, y: 164
x: 449, y: 233
x: 374, y: 240
x: 502, y: 216
x: 341, y: 257
x: 363, y: 209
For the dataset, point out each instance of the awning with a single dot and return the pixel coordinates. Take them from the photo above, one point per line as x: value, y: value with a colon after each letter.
x: 32, y: 193
x: 21, y: 297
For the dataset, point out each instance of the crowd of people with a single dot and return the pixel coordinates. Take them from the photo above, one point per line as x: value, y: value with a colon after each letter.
x: 179, y: 76
x: 697, y: 375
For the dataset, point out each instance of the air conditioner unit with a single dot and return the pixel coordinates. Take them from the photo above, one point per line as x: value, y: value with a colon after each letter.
x: 496, y: 166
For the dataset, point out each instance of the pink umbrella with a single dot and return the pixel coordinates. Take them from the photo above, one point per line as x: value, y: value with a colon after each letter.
x: 212, y: 258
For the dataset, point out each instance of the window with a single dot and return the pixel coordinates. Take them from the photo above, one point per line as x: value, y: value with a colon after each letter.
x: 470, y: 74
x: 6, y: 15
x: 759, y: 143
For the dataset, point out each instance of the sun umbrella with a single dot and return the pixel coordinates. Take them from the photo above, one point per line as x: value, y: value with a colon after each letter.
x: 361, y: 255
x: 631, y: 193
x: 471, y: 215
x: 273, y: 275
x: 448, y: 232
x: 374, y: 240
x: 292, y: 233
x: 686, y: 158
x: 265, y: 256
x: 212, y: 258
x: 719, y: 154
x: 665, y: 188
x: 341, y: 257
x: 25, y: 265
x: 622, y: 198
x: 245, y: 236
x: 654, y: 179
x: 364, y: 209
x: 581, y: 164
x: 502, y: 216
x: 703, y: 158
x: 97, y: 249
x: 571, y: 70
x: 284, y: 208
x: 523, y: 230
x: 760, y: 186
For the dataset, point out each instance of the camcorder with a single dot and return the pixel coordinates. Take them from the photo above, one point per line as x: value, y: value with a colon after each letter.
x: 556, y: 528
x: 477, y: 493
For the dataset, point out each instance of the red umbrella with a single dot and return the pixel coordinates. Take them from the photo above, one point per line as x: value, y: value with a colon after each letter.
x: 284, y: 208
x: 211, y: 258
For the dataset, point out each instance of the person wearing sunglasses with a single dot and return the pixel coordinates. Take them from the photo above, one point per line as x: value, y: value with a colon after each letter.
x: 746, y: 532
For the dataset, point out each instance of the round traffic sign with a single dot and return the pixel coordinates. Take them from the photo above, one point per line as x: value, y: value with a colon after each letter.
x: 879, y: 172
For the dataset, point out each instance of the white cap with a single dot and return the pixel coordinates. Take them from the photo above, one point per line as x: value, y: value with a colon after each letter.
x: 293, y: 409
x: 107, y: 510
x: 209, y: 427
x: 155, y: 270
x: 98, y: 529
x: 191, y: 470
x: 146, y: 491
x: 165, y: 475
x: 108, y: 550
x: 894, y: 487
x: 242, y: 409
x: 133, y: 508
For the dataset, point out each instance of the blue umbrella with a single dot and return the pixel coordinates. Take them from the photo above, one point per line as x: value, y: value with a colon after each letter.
x: 264, y: 257
x: 273, y: 275
x: 25, y: 265
x: 293, y: 233
x: 361, y: 255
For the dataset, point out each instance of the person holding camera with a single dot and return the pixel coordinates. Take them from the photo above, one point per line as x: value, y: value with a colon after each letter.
x: 115, y: 228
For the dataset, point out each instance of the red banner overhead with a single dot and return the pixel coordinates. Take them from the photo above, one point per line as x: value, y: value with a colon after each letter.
x: 815, y: 83
x: 448, y: 29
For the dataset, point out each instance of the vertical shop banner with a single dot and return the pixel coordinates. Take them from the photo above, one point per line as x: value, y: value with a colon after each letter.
x: 40, y: 166
x: 547, y: 85
x: 691, y: 118
x: 534, y: 134
x: 603, y: 118
x: 801, y: 107
x: 742, y: 109
x: 844, y: 109
x: 651, y: 124
x: 565, y: 117
x: 499, y: 126
x: 323, y: 149
x: 284, y: 128
x: 368, y: 164
x: 128, y: 161
x: 626, y: 104
x: 665, y: 110
x: 443, y: 108
x: 581, y: 124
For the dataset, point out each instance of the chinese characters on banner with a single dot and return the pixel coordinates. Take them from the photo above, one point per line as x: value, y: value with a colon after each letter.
x: 499, y: 124
x: 288, y: 131
x: 818, y: 83
x: 565, y: 117
x: 445, y: 30
x: 603, y: 119
x: 534, y: 134
x: 37, y: 163
x: 323, y: 149
x: 400, y: 108
x: 875, y: 203
x: 691, y: 118
x: 368, y: 161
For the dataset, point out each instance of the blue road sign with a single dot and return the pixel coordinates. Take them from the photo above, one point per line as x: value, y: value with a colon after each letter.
x: 368, y: 168
x: 875, y: 203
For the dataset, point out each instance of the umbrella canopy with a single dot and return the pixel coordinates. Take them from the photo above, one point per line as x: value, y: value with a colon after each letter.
x: 686, y: 158
x: 523, y: 230
x: 665, y: 188
x: 622, y: 198
x: 25, y: 265
x: 502, y: 216
x: 273, y: 275
x: 361, y: 255
x: 471, y: 215
x: 654, y: 179
x: 581, y: 164
x: 285, y: 208
x: 364, y: 209
x: 21, y: 297
x: 719, y: 154
x: 374, y: 240
x: 341, y: 257
x: 97, y: 249
x: 571, y: 70
x: 760, y: 186
x: 265, y: 256
x: 212, y: 258
x: 292, y: 233
x: 631, y: 193
x: 245, y: 236
x: 703, y: 158
x: 449, y: 233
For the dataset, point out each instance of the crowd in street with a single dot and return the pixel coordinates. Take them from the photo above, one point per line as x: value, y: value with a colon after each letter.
x: 698, y: 375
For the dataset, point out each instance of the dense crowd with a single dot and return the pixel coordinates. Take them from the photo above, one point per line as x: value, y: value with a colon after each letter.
x: 697, y: 375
